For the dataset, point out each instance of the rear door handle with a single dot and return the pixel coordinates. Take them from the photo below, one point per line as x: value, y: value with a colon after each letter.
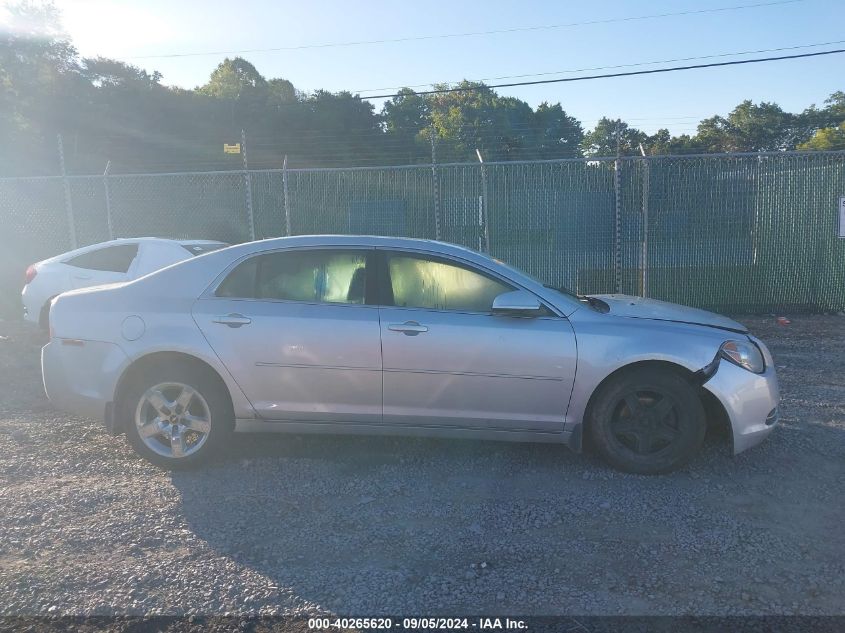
x: 232, y: 320
x: 410, y: 328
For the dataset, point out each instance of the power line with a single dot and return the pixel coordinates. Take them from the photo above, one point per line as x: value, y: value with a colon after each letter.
x: 609, y: 75
x: 657, y: 61
x: 520, y: 29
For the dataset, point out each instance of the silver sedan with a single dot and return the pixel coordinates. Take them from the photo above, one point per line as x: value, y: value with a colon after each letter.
x: 371, y: 335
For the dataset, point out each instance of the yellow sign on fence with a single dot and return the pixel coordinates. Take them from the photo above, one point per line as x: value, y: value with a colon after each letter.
x: 231, y: 149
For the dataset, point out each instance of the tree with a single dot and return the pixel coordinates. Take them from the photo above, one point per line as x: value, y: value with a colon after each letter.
x: 503, y: 128
x: 827, y: 138
x: 611, y: 136
x: 407, y: 124
x: 749, y: 128
x: 825, y: 128
x: 234, y: 78
x: 110, y: 110
x: 556, y: 134
x: 102, y: 72
x: 463, y: 120
x: 281, y: 92
x: 40, y: 87
x: 662, y: 143
x: 339, y: 128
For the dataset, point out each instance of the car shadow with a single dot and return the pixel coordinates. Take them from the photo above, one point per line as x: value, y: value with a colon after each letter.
x: 372, y: 525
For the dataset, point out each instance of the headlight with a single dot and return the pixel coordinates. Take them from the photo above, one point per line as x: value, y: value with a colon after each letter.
x: 745, y: 354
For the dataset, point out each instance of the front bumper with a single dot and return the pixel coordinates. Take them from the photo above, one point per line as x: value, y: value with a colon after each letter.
x: 80, y: 376
x: 750, y: 401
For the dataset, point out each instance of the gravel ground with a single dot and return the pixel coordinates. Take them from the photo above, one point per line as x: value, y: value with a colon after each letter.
x: 301, y: 525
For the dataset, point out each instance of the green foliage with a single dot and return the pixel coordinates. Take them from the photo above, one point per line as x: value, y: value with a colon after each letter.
x: 827, y: 138
x: 749, y: 128
x: 829, y: 124
x: 612, y: 137
x: 109, y: 110
x: 234, y: 79
x: 502, y: 128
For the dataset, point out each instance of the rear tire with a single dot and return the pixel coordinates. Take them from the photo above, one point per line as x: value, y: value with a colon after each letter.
x: 177, y: 416
x: 648, y: 422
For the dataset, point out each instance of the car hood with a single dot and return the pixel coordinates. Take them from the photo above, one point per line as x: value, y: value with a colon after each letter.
x: 640, y: 308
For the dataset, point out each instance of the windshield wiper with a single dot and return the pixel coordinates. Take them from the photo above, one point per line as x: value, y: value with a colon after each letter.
x: 595, y: 303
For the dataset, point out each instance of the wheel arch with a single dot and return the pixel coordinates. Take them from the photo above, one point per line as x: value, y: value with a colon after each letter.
x: 169, y: 359
x: 44, y: 313
x: 715, y: 411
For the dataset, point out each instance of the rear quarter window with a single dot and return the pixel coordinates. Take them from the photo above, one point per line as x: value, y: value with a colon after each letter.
x: 115, y: 259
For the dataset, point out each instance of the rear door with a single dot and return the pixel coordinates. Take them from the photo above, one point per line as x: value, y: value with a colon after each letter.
x: 450, y: 362
x: 295, y: 330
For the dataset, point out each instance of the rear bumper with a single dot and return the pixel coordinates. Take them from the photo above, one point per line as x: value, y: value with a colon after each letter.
x: 32, y: 304
x: 80, y: 376
x: 750, y: 401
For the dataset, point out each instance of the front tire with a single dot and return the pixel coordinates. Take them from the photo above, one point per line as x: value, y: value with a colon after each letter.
x: 649, y: 421
x: 177, y: 417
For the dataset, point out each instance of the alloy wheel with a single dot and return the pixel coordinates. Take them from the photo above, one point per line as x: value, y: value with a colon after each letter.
x: 173, y: 419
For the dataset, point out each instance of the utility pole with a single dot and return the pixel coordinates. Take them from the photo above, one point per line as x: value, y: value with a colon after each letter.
x: 68, y: 198
x: 436, y: 183
x: 248, y: 186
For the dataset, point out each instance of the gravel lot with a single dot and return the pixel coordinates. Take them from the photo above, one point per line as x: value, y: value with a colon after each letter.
x: 367, y: 526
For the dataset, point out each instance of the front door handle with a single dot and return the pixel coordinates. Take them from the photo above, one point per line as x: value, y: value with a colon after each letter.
x: 410, y: 328
x: 232, y: 320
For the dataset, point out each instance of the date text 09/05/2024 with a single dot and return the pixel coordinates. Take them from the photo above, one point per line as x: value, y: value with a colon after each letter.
x: 414, y: 624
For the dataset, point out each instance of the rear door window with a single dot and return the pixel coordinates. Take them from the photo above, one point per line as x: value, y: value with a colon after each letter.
x: 115, y: 259
x: 313, y: 276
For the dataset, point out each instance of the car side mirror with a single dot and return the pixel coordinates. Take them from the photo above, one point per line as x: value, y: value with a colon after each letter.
x: 517, y: 303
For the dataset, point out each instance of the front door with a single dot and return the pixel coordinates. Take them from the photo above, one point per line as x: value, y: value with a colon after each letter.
x: 294, y: 330
x: 450, y: 362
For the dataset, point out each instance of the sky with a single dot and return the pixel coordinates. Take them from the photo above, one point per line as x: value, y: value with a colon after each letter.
x: 133, y: 31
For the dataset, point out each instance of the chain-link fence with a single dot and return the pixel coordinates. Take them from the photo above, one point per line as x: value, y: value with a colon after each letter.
x: 728, y: 232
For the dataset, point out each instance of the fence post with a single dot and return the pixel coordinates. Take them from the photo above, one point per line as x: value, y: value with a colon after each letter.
x: 436, y: 183
x: 248, y: 185
x: 617, y: 238
x: 68, y: 201
x: 285, y: 190
x: 644, y: 254
x: 484, y: 215
x: 108, y: 200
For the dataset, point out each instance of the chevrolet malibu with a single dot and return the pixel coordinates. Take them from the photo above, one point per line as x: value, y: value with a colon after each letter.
x: 372, y: 335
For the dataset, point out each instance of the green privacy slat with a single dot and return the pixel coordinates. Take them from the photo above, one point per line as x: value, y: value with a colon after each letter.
x: 726, y: 232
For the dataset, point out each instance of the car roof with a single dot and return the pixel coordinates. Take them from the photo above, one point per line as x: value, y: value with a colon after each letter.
x: 125, y: 240
x: 357, y: 240
x: 193, y: 276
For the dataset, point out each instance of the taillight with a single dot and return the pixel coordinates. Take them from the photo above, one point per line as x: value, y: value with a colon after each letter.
x: 31, y: 271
